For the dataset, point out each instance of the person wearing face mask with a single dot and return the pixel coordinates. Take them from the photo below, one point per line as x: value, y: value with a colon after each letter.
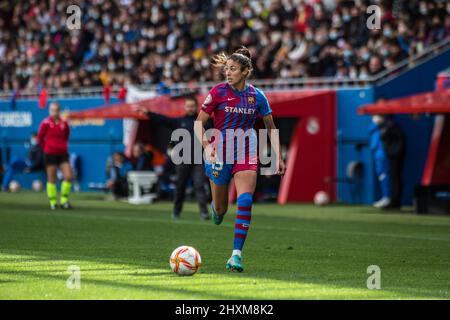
x: 33, y: 163
x: 388, y: 145
x: 380, y: 161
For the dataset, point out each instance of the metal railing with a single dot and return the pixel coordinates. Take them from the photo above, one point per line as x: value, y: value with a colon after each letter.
x: 265, y: 84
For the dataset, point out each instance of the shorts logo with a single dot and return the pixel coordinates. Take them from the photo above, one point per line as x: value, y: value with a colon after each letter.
x: 217, y: 166
x: 215, y: 174
x: 251, y: 100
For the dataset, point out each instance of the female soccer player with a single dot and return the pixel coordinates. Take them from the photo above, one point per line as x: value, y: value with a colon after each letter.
x: 235, y: 105
x: 53, y: 138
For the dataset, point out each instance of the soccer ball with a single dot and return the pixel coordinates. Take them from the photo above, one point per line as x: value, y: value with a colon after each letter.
x: 14, y: 186
x: 321, y: 198
x: 37, y: 185
x: 185, y: 261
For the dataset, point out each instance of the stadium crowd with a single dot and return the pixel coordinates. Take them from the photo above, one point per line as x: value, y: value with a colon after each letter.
x: 170, y: 41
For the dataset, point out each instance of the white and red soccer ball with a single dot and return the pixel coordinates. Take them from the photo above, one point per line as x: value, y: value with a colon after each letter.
x: 185, y: 261
x: 321, y: 198
x: 37, y: 185
x: 14, y: 186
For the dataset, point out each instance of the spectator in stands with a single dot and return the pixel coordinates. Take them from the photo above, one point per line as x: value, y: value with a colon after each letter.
x: 396, y: 52
x: 117, y: 182
x: 34, y: 162
x: 375, y: 65
x: 143, y: 159
x: 165, y: 42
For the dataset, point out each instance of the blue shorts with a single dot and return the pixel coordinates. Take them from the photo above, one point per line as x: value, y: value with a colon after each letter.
x: 219, y: 173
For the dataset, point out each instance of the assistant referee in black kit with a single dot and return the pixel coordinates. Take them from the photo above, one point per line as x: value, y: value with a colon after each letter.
x: 185, y: 171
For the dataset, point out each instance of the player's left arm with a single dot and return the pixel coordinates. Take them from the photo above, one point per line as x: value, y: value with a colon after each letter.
x: 270, y: 125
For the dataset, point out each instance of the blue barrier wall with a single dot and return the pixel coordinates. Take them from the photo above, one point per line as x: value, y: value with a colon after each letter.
x: 92, y: 141
x: 353, y: 145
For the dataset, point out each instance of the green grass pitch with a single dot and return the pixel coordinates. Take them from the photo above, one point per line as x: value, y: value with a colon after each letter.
x: 292, y: 252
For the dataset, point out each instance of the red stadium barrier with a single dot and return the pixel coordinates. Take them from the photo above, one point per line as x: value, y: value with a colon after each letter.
x: 312, y: 153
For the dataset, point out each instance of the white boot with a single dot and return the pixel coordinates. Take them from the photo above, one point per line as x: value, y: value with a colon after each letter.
x: 383, y: 202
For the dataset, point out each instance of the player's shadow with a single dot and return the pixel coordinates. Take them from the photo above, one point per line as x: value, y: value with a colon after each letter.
x: 124, y: 285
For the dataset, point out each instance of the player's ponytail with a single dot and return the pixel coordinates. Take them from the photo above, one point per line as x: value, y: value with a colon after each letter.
x: 219, y: 60
x: 241, y: 55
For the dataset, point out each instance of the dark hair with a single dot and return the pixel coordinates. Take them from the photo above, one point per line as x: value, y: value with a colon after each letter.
x: 56, y: 103
x: 120, y: 154
x: 241, y: 55
x: 192, y: 98
x: 244, y: 51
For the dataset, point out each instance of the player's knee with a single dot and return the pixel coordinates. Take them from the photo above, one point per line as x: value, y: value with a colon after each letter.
x: 51, y: 178
x: 67, y: 177
x: 245, y: 199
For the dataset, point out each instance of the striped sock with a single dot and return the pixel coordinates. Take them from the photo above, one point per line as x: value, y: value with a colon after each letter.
x: 243, y: 218
x: 51, y: 193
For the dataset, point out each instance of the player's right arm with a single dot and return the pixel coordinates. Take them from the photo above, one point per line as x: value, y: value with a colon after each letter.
x: 203, y: 118
x: 208, y: 108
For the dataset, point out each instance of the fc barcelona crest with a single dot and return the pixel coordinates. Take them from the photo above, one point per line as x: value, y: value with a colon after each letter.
x: 251, y: 100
